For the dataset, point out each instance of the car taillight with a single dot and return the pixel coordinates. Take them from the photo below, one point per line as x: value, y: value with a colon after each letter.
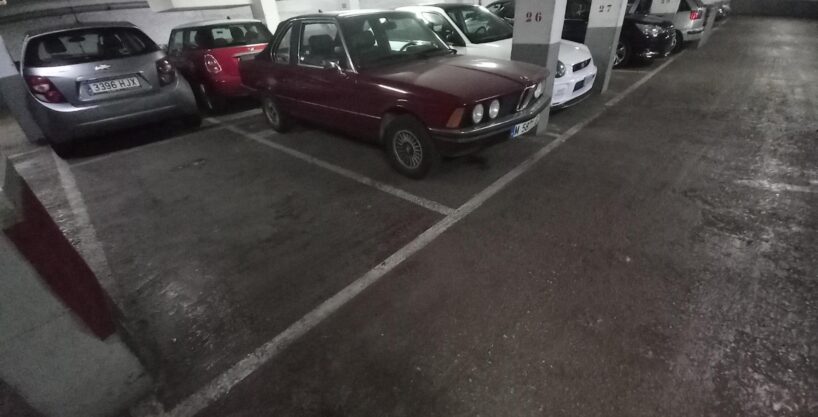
x: 167, y: 74
x: 695, y: 14
x: 212, y: 64
x: 44, y: 89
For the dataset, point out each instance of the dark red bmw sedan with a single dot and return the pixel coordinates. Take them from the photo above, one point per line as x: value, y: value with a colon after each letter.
x: 386, y: 76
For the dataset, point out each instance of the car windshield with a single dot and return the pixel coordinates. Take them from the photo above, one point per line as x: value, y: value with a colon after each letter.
x: 479, y: 25
x: 86, y: 45
x: 232, y: 34
x: 379, y: 39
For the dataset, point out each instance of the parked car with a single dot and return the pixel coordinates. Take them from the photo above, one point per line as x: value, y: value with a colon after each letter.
x: 385, y: 76
x: 575, y: 72
x: 91, y: 78
x: 641, y: 38
x: 689, y: 20
x: 207, y: 53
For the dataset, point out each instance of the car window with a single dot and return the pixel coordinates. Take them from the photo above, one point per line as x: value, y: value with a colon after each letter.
x: 578, y: 9
x: 480, y: 25
x: 320, y: 42
x: 508, y: 11
x: 86, y: 45
x: 176, y: 41
x: 281, y: 55
x: 683, y: 6
x: 390, y: 37
x: 442, y: 27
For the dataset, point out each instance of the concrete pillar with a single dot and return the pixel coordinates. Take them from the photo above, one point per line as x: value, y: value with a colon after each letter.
x: 267, y: 12
x: 58, y: 350
x: 537, y: 34
x: 14, y: 93
x: 602, y: 36
x: 350, y: 4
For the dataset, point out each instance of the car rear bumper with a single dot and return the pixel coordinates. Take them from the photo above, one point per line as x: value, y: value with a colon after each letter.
x: 650, y: 47
x: 63, y: 122
x: 465, y: 140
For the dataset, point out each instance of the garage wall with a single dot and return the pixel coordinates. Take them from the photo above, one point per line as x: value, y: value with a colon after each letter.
x: 792, y: 8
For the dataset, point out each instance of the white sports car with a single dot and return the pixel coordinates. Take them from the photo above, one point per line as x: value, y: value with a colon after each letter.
x: 473, y: 30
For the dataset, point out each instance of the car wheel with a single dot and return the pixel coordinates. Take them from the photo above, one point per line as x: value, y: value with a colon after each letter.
x: 623, y: 54
x: 678, y: 42
x: 209, y: 100
x: 409, y: 148
x: 279, y: 121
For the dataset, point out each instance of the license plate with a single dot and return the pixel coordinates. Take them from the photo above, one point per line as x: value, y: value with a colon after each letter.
x: 101, y: 87
x: 524, y: 127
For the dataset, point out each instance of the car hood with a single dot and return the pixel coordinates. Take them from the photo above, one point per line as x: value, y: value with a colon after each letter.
x: 466, y: 78
x: 652, y: 20
x: 570, y: 52
x: 573, y: 53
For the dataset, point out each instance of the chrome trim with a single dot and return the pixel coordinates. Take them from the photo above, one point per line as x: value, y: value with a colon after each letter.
x: 525, y: 97
x: 482, y: 131
x: 331, y: 108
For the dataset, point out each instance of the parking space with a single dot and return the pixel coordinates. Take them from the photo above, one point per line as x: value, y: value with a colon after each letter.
x: 579, y: 272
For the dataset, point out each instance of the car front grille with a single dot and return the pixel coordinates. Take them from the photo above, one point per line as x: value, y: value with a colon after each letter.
x: 526, y: 97
x: 581, y: 65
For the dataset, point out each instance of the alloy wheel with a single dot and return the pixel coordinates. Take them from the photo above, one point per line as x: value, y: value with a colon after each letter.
x: 408, y: 149
x: 271, y: 112
x: 620, y: 53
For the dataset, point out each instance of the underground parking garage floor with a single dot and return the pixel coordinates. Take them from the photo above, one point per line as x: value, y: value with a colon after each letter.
x: 658, y: 259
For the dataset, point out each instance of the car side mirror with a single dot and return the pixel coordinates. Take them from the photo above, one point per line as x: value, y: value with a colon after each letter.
x: 333, y: 64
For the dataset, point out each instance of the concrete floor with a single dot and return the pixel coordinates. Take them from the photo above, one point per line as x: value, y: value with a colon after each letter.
x: 661, y: 261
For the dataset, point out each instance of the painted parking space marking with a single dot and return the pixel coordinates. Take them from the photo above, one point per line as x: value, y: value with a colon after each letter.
x: 397, y: 192
x: 222, y: 384
x: 779, y: 187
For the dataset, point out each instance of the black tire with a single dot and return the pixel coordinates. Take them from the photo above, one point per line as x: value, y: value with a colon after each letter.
x: 278, y: 120
x: 64, y: 150
x: 409, y: 148
x: 622, y: 55
x: 208, y: 100
x: 192, y: 121
x: 679, y: 42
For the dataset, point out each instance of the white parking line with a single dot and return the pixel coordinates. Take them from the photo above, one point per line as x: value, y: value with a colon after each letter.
x: 222, y: 384
x: 397, y: 192
x: 780, y: 186
x: 236, y: 116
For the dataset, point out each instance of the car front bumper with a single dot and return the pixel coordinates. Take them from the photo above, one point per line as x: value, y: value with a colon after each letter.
x: 469, y: 139
x: 569, y: 88
x: 64, y: 122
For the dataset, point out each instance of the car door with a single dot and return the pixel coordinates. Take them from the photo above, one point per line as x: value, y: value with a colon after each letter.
x: 322, y: 81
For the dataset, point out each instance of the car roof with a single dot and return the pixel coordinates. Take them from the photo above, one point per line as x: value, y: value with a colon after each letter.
x: 74, y: 26
x: 345, y: 13
x: 449, y: 6
x: 214, y: 22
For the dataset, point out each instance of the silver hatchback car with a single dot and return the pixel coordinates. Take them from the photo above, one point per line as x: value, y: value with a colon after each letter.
x: 97, y: 77
x: 689, y: 20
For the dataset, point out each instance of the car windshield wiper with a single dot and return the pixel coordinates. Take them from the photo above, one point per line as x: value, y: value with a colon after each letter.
x: 432, y: 51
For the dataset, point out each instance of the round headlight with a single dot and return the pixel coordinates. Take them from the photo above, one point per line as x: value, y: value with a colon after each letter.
x: 560, y: 69
x: 540, y: 89
x: 477, y: 113
x: 494, y: 109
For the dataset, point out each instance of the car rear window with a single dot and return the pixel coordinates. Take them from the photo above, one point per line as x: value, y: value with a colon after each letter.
x: 227, y: 35
x: 86, y: 45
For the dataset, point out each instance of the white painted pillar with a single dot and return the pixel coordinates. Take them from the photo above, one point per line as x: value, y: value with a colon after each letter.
x: 267, y: 12
x: 350, y: 4
x: 602, y: 37
x: 537, y: 33
x: 13, y: 92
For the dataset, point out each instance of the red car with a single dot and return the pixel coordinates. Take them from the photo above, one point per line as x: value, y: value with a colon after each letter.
x: 387, y: 76
x: 207, y: 54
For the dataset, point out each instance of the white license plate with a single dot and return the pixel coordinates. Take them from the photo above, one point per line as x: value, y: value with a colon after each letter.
x: 101, y: 87
x: 524, y: 127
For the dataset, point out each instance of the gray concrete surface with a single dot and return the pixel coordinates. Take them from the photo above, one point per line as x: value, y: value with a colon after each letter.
x: 660, y: 262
